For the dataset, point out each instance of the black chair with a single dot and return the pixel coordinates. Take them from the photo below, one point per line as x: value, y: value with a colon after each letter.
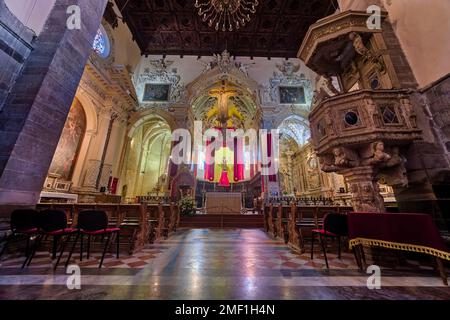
x: 23, y: 223
x: 51, y: 223
x: 334, y: 226
x: 93, y: 223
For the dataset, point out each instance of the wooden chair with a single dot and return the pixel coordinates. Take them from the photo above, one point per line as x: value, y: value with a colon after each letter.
x: 334, y: 226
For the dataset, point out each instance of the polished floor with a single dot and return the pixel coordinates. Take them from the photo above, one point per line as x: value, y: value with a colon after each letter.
x: 217, y: 264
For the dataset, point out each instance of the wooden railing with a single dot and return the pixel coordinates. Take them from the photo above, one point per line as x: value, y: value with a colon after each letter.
x: 281, y: 221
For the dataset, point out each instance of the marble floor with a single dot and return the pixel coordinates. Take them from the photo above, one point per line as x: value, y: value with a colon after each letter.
x: 217, y: 264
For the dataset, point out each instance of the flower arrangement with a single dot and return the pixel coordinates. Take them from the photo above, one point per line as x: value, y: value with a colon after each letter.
x: 187, y: 206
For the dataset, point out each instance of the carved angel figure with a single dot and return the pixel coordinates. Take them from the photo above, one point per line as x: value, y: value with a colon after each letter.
x: 326, y: 166
x: 359, y: 46
x: 288, y: 68
x: 340, y: 159
x: 206, y: 65
x: 324, y: 89
x: 378, y: 153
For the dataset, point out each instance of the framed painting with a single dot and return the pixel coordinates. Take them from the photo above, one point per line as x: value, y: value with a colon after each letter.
x: 156, y: 92
x: 292, y: 95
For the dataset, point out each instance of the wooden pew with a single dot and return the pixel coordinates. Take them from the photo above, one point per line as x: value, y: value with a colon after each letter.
x: 265, y: 212
x: 174, y: 217
x: 282, y: 221
x: 270, y: 222
x: 294, y: 234
x: 153, y: 219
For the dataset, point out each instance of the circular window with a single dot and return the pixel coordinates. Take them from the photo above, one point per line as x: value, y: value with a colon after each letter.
x: 101, y: 43
x: 351, y: 118
x: 374, y: 83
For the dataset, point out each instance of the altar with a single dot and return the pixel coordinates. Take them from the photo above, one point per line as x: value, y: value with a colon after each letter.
x: 223, y: 203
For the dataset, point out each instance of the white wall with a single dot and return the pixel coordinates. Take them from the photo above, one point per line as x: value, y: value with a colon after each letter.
x: 32, y: 13
x: 423, y: 29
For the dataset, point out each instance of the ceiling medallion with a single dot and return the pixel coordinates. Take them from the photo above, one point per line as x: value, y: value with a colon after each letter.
x: 230, y: 14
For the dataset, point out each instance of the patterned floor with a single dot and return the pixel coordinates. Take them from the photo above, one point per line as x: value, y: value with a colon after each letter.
x: 217, y: 264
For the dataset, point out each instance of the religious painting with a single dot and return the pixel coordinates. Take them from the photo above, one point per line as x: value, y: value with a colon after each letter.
x: 292, y: 95
x: 156, y: 92
x: 66, y: 153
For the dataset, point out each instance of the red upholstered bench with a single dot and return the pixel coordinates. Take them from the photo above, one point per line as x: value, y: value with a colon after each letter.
x: 414, y: 232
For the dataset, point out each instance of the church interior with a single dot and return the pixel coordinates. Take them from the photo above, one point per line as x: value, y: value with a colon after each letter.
x: 348, y: 99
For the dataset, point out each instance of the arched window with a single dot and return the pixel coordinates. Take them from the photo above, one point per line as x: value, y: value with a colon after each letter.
x: 101, y: 43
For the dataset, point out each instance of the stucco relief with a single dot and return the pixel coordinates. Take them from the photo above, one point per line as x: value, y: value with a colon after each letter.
x: 287, y: 76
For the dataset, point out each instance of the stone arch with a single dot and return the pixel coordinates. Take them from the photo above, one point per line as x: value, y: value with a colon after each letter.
x: 91, y: 129
x: 146, y: 165
x: 141, y: 117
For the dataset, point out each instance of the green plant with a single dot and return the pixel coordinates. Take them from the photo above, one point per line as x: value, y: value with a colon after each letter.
x: 187, y: 206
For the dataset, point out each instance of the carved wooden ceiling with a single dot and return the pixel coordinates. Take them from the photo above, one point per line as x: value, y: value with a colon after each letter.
x: 174, y: 27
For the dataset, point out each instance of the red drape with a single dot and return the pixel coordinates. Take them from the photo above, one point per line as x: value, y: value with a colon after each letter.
x: 238, y: 159
x: 209, y: 164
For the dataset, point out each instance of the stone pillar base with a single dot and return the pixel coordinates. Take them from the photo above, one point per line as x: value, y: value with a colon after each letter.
x: 363, y: 185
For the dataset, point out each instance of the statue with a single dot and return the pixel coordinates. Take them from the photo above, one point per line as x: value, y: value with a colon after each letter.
x: 379, y: 155
x: 324, y: 89
x: 394, y: 172
x: 366, y: 53
x: 288, y: 68
x: 327, y: 166
x: 340, y: 158
x: 359, y: 46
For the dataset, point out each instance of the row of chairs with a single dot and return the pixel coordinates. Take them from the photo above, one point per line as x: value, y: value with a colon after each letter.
x: 53, y: 223
x: 64, y: 227
x: 296, y: 224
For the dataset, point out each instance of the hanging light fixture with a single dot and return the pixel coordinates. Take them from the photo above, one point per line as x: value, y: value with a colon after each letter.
x: 226, y: 14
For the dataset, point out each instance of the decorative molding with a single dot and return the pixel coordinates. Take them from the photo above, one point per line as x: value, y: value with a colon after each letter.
x: 160, y: 74
x: 289, y: 76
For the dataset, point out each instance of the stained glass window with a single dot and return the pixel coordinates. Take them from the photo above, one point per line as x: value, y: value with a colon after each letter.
x: 101, y: 43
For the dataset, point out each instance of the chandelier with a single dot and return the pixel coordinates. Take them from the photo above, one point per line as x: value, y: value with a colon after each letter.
x: 226, y: 14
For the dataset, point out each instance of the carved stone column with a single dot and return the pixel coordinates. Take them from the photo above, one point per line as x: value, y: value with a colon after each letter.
x: 363, y: 185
